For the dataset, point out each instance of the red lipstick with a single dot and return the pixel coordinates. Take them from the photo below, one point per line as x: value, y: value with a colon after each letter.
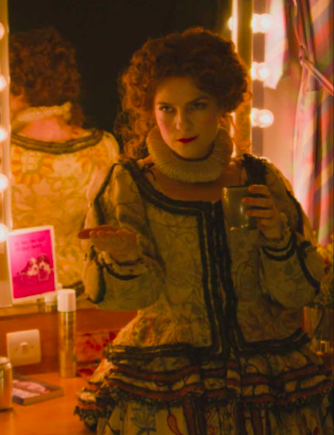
x: 187, y: 139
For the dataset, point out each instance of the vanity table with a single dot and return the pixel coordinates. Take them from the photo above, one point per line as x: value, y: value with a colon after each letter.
x: 52, y: 417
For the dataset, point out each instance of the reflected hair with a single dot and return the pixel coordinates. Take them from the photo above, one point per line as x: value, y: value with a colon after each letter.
x: 43, y: 68
x: 210, y: 60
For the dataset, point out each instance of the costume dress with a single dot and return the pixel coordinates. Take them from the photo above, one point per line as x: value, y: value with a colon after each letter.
x: 216, y: 347
x: 50, y: 181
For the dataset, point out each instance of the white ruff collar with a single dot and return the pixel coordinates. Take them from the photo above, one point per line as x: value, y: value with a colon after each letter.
x: 35, y: 113
x: 203, y: 170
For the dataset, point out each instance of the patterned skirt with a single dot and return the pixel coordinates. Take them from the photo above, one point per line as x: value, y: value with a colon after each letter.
x: 288, y: 394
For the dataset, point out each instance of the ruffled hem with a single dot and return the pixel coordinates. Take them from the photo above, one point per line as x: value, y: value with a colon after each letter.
x: 262, y: 384
x: 196, y: 416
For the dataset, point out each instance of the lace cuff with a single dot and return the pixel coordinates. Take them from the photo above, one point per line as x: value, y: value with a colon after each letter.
x: 283, y: 248
x: 146, y: 261
x: 135, y: 268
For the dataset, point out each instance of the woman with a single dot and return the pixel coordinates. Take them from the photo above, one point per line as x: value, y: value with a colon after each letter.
x: 216, y: 347
x: 53, y: 157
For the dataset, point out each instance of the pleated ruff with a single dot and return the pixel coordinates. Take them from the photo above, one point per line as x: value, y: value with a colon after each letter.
x: 266, y: 394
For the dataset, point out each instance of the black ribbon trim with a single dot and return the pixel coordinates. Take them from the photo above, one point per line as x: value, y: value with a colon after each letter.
x: 287, y: 246
x: 111, y: 271
x: 67, y: 147
x: 287, y: 255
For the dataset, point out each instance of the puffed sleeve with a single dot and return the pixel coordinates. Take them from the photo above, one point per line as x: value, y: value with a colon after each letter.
x: 112, y: 145
x: 115, y: 200
x: 291, y: 268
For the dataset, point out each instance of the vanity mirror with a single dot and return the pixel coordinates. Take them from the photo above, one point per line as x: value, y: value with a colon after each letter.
x: 47, y: 173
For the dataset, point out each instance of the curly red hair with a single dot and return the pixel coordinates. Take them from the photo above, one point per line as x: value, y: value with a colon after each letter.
x: 211, y: 61
x: 43, y: 68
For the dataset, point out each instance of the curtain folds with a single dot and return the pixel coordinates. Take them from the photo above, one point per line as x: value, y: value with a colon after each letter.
x: 313, y: 142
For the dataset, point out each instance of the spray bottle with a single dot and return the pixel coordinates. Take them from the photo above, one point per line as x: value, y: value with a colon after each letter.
x: 66, y: 306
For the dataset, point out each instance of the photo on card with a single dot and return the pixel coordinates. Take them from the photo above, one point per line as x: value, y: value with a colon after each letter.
x: 31, y: 263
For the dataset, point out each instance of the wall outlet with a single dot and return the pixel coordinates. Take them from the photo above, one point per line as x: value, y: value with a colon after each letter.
x: 24, y: 347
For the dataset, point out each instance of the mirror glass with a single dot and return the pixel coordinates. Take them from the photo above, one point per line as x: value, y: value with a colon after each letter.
x: 104, y: 35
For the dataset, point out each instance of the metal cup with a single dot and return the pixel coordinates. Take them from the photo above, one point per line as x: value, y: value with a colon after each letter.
x: 235, y: 210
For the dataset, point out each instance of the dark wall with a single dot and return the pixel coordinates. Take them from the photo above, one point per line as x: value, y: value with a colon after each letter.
x: 106, y: 32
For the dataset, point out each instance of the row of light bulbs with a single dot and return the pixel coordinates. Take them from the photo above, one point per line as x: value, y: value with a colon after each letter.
x: 4, y: 182
x: 262, y: 118
x: 261, y: 23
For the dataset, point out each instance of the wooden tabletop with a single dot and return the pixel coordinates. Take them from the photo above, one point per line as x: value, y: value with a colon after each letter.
x: 52, y: 417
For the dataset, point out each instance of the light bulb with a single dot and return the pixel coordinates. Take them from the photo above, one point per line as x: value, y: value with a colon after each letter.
x: 2, y: 31
x: 259, y: 71
x: 261, y: 23
x: 3, y: 182
x: 265, y: 22
x: 261, y: 118
x: 230, y: 23
x: 3, y: 134
x: 3, y: 233
x: 265, y: 118
x: 255, y: 23
x: 3, y: 83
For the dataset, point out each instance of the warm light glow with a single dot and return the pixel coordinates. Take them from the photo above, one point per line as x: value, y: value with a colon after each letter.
x: 261, y: 23
x: 3, y: 83
x: 263, y: 71
x: 261, y: 118
x: 230, y: 23
x: 3, y: 134
x: 253, y: 71
x: 3, y: 182
x: 259, y: 71
x: 3, y: 233
x: 2, y: 31
x: 265, y: 23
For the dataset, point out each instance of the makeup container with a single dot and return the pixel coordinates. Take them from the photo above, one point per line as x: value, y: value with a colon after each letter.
x: 66, y: 307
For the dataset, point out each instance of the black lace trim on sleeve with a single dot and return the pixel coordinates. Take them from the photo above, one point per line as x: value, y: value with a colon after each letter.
x: 291, y: 247
x: 301, y: 257
x: 111, y: 271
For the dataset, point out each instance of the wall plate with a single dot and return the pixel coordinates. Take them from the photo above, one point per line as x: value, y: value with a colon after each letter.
x: 24, y: 347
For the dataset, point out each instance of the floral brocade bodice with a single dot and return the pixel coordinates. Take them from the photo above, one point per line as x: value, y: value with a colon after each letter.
x: 49, y: 185
x: 200, y: 284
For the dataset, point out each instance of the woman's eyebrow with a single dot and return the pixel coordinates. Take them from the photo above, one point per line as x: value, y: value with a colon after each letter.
x: 204, y: 97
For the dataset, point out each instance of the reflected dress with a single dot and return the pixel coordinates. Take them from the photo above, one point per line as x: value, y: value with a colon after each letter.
x: 50, y: 181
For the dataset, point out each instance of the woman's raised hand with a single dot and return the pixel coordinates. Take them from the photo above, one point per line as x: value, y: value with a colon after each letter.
x: 120, y: 244
x: 265, y: 212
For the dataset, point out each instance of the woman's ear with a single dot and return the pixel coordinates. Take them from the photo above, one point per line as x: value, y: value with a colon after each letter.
x: 17, y: 103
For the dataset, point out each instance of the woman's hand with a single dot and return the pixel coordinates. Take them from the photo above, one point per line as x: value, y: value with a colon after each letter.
x: 267, y: 216
x: 120, y: 244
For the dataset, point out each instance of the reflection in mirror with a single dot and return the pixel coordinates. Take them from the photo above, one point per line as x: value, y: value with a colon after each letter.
x: 54, y: 63
x: 53, y: 157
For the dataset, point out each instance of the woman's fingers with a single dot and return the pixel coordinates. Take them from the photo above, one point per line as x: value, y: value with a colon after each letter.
x: 85, y: 233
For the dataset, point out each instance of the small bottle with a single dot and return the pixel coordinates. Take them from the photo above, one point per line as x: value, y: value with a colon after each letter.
x: 50, y: 302
x: 66, y: 305
x: 6, y: 383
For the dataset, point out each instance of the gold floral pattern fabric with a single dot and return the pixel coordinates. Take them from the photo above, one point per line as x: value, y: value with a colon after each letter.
x: 49, y: 186
x: 217, y: 344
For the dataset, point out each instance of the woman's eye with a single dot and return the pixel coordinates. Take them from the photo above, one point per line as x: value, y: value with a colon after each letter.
x: 166, y: 109
x: 199, y: 105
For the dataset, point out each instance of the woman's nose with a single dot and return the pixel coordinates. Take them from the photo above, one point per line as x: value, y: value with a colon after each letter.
x: 182, y: 121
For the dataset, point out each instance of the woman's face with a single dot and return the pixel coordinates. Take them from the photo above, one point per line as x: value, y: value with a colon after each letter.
x: 187, y: 117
